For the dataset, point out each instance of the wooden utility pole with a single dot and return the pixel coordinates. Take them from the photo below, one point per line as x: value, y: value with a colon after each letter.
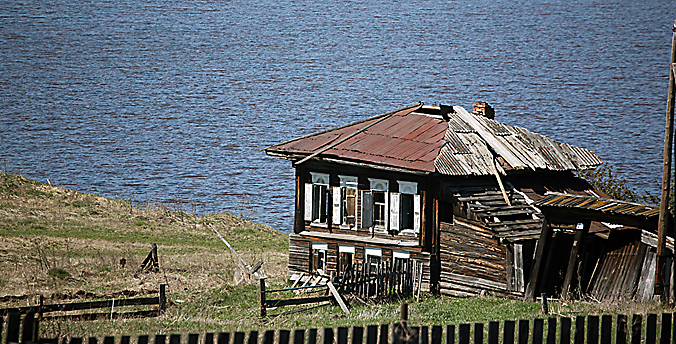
x: 663, y: 224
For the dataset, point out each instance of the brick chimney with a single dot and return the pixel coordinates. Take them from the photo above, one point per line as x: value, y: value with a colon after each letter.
x: 483, y: 109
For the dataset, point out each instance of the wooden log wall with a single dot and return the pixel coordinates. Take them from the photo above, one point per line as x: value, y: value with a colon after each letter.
x: 299, y: 254
x: 473, y: 261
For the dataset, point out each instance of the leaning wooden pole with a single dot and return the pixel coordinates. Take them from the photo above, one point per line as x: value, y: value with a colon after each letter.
x: 666, y: 178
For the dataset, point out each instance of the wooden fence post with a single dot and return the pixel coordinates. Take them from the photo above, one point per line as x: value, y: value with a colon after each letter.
x: 551, y: 330
x: 450, y: 334
x: 27, y: 330
x: 357, y: 335
x: 372, y: 334
x: 592, y: 329
x: 208, y: 338
x: 94, y: 340
x: 508, y: 332
x: 578, y: 337
x: 238, y: 338
x: 159, y: 339
x: 665, y: 328
x: 636, y: 324
x: 269, y: 337
x: 342, y: 335
x: 125, y: 339
x: 523, y: 332
x: 621, y: 329
x: 163, y: 298
x: 223, y: 338
x: 436, y: 334
x: 478, y: 333
x: 312, y: 336
x: 606, y: 329
x: 565, y: 331
x: 175, y: 339
x: 327, y: 336
x: 193, y: 338
x: 13, y: 328
x: 493, y: 332
x: 384, y: 334
x: 651, y: 329
x: 142, y: 339
x: 298, y: 336
x: 463, y: 334
x: 263, y: 307
x: 253, y: 337
x: 538, y: 330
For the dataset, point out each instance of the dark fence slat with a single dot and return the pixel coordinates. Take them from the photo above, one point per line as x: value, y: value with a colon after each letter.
x: 424, y: 335
x: 665, y: 328
x: 384, y: 334
x: 94, y: 340
x: 175, y: 339
x: 651, y: 329
x: 28, y: 333
x: 209, y: 338
x: 13, y: 328
x: 592, y: 329
x: 463, y: 333
x: 450, y: 334
x: 551, y: 330
x: 342, y: 335
x: 578, y: 337
x: 76, y: 340
x: 49, y: 341
x: 636, y: 326
x: 224, y: 338
x: 327, y: 336
x: 478, y: 333
x: 372, y: 334
x: 142, y: 339
x: 238, y: 338
x: 621, y: 329
x: 397, y: 333
x: 269, y: 337
x: 298, y: 336
x: 111, y: 340
x: 357, y: 335
x: 436, y: 334
x: 606, y: 329
x: 253, y: 337
x: 538, y: 330
x: 508, y: 332
x: 125, y: 339
x: 159, y: 339
x: 193, y: 338
x: 564, y: 338
x: 312, y: 336
x: 523, y: 331
x: 493, y: 332
x: 284, y: 336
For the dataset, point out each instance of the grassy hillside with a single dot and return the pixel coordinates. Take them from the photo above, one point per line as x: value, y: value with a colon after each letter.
x: 67, y: 245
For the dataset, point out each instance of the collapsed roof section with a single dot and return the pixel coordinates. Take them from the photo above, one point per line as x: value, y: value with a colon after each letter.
x: 428, y: 139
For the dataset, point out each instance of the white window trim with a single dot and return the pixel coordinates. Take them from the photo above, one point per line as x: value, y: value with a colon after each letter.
x: 410, y: 188
x: 348, y: 181
x: 345, y: 249
x: 320, y: 246
x: 400, y: 254
x: 373, y: 183
x: 320, y: 178
x: 373, y: 252
x: 351, y: 182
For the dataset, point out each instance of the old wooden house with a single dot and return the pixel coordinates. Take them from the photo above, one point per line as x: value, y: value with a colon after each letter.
x: 456, y: 191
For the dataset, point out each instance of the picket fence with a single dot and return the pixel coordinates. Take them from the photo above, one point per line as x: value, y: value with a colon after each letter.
x: 605, y: 329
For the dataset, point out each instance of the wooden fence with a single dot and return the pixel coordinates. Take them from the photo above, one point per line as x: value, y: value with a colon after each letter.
x: 605, y: 329
x: 383, y: 280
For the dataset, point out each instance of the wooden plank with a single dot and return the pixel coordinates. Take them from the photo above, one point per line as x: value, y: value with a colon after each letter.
x: 339, y: 299
x: 357, y: 335
x: 508, y: 332
x: 342, y: 335
x: 300, y: 301
x: 384, y: 334
x: 269, y: 337
x: 372, y: 334
x: 665, y: 328
x: 463, y: 333
x: 284, y: 336
x: 572, y: 263
x: 478, y: 333
x: 13, y: 328
x: 176, y: 339
x: 523, y: 331
x: 450, y: 334
x: 538, y: 264
x: 592, y: 329
x: 312, y: 336
x: 564, y: 338
x: 253, y: 337
x: 193, y: 338
x: 159, y: 339
x: 578, y: 336
x: 223, y: 338
x: 436, y: 334
x: 238, y: 338
x: 651, y: 329
x: 327, y: 336
x: 621, y: 329
x: 142, y: 339
x: 493, y: 332
x: 538, y: 330
x: 636, y: 326
x: 551, y: 330
x: 606, y: 329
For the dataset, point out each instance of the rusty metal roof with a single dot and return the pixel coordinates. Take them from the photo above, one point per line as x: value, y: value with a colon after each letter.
x: 417, y: 138
x: 598, y: 204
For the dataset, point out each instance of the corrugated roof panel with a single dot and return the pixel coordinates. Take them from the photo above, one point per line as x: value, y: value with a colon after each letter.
x: 458, y: 125
x: 607, y: 205
x: 497, y: 128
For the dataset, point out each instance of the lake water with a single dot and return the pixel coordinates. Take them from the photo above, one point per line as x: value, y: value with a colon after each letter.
x: 172, y: 100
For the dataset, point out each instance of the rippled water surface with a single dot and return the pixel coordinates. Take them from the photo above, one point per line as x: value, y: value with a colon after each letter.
x: 163, y: 100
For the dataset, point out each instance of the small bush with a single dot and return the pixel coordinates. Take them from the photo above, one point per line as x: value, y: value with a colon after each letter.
x: 59, y: 273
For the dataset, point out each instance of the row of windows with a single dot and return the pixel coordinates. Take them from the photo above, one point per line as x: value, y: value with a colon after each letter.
x: 381, y: 210
x: 373, y: 257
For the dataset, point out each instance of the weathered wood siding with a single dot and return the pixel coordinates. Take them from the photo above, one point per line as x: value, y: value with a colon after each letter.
x: 473, y: 261
x: 619, y: 272
x: 299, y: 254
